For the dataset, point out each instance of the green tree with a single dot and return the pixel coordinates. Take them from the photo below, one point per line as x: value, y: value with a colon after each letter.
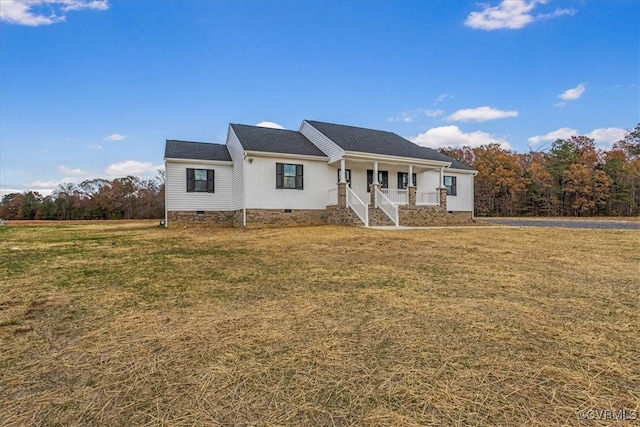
x: 29, y: 205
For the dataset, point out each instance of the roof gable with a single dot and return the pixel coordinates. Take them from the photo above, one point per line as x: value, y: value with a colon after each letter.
x: 256, y: 138
x: 351, y: 138
x: 175, y: 149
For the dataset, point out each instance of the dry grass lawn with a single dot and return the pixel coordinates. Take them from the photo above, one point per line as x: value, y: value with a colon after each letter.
x: 118, y: 323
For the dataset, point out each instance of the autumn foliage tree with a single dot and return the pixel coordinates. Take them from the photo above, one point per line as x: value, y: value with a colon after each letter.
x: 574, y: 178
x: 123, y: 198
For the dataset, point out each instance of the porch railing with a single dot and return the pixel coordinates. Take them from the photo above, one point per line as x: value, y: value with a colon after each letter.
x: 332, y: 197
x: 358, y: 206
x: 399, y: 197
x: 387, y: 206
x: 428, y: 199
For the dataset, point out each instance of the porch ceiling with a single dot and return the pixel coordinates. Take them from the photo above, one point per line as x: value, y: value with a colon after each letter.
x: 382, y: 165
x: 396, y: 162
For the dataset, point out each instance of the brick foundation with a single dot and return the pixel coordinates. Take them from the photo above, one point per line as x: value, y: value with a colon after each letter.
x: 342, y: 216
x: 424, y: 216
x: 410, y: 216
x: 214, y: 218
x: 279, y: 218
x: 377, y: 217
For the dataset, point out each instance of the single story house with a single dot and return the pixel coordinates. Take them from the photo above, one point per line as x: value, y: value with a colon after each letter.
x: 323, y: 173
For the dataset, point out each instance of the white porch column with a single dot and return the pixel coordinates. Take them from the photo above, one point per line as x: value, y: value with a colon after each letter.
x: 411, y: 176
x: 375, y: 172
x: 441, y: 177
x: 342, y: 171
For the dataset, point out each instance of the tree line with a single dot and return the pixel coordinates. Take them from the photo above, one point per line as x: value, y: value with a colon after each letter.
x: 572, y: 178
x: 122, y: 198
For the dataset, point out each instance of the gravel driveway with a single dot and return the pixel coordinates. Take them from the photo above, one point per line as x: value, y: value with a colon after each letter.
x: 526, y: 222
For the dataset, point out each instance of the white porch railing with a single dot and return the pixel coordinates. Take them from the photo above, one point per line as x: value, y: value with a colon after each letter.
x: 358, y: 206
x: 387, y: 206
x: 399, y: 197
x: 332, y: 197
x: 428, y: 199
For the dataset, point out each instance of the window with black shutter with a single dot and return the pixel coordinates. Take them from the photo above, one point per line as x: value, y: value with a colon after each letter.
x: 451, y: 182
x: 383, y: 179
x: 200, y: 180
x: 289, y: 176
x: 403, y: 180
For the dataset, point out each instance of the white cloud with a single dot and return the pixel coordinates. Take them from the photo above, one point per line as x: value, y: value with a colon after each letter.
x: 562, y: 133
x: 115, y: 137
x: 510, y: 14
x: 71, y: 171
x: 433, y: 113
x: 28, y: 12
x: 480, y: 114
x: 68, y: 5
x: 573, y: 93
x: 47, y: 187
x: 402, y: 117
x: 9, y: 190
x: 452, y: 136
x: 272, y: 125
x: 409, y: 116
x: 441, y: 98
x: 556, y: 13
x: 603, y: 137
x: 607, y: 136
x: 132, y: 167
x: 94, y: 146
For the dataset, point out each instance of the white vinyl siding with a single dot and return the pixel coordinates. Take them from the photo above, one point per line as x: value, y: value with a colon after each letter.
x: 429, y: 181
x: 328, y: 147
x: 261, y: 191
x: 237, y: 155
x: 463, y: 201
x: 177, y: 197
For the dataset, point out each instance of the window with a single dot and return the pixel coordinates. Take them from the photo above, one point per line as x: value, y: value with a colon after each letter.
x: 347, y: 176
x: 452, y: 186
x: 403, y: 180
x: 383, y: 178
x: 200, y: 180
x: 289, y: 176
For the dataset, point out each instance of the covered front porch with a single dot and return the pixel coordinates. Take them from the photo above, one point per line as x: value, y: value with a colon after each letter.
x: 387, y: 191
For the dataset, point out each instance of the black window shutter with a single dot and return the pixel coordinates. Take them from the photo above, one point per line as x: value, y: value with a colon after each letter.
x: 279, y: 175
x: 369, y: 180
x: 210, y: 175
x: 385, y: 180
x: 299, y: 177
x: 400, y: 178
x: 415, y: 181
x: 191, y: 184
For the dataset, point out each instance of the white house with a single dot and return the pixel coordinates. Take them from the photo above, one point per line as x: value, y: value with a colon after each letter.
x: 323, y: 173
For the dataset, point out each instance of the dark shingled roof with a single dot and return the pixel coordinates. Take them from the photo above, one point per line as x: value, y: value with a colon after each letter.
x: 256, y: 138
x: 196, y: 150
x: 351, y: 138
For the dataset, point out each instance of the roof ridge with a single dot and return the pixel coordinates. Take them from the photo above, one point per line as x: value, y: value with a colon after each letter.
x: 196, y: 142
x: 261, y: 127
x: 354, y: 127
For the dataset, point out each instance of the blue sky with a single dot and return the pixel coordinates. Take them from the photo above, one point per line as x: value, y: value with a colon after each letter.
x: 93, y: 88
